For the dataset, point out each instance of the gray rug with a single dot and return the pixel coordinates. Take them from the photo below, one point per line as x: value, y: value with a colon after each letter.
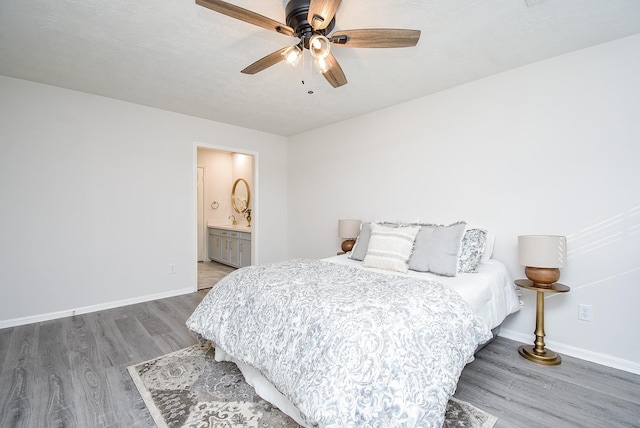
x: 188, y: 388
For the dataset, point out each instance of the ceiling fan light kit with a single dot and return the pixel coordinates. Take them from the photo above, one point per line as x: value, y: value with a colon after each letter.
x: 321, y: 65
x: 292, y: 55
x: 312, y: 21
x: 319, y: 46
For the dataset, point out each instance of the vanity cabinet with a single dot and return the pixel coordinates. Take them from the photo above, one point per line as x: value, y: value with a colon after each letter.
x: 229, y: 247
x: 244, y: 249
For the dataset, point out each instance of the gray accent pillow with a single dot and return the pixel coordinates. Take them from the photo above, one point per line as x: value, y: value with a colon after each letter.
x: 362, y: 243
x: 359, y: 250
x: 436, y: 249
x: 471, y: 250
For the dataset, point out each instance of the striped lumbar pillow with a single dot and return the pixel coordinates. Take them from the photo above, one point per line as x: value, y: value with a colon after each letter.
x: 390, y: 247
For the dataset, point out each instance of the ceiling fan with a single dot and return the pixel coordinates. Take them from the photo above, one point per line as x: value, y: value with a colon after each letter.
x: 312, y: 22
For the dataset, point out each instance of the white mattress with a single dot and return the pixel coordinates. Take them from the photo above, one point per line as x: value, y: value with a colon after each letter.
x: 490, y: 293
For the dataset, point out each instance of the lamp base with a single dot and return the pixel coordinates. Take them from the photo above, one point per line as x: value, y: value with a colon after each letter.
x: 542, y: 277
x: 348, y: 244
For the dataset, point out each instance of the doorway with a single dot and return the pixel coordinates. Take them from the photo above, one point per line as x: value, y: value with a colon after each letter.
x: 216, y: 171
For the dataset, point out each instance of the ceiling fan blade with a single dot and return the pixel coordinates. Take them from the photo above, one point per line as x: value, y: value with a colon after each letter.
x: 376, y: 38
x: 246, y: 16
x: 321, y: 12
x: 266, y: 62
x: 334, y: 74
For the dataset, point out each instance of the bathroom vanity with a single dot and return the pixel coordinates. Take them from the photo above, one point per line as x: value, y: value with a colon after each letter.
x: 230, y: 245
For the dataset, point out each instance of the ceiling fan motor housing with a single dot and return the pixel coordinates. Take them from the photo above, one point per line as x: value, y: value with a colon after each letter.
x: 297, y: 18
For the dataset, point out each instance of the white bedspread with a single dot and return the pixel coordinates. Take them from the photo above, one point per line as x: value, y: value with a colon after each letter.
x: 490, y: 292
x: 348, y: 347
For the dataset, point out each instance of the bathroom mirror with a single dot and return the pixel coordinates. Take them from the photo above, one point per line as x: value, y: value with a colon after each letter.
x: 240, y: 195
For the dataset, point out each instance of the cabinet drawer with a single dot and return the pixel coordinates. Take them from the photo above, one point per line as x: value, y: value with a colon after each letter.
x: 216, y: 232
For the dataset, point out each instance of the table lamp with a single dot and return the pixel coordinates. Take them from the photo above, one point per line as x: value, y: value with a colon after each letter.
x: 542, y: 256
x: 349, y: 231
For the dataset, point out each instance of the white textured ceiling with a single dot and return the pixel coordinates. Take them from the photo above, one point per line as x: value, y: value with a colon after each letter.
x: 181, y: 57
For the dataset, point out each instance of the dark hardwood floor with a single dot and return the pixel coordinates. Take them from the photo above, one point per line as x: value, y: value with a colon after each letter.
x: 71, y: 372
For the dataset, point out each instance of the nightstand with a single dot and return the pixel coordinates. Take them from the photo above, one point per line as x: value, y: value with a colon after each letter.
x: 537, y: 352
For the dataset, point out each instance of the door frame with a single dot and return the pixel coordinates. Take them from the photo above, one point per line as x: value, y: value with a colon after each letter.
x: 202, y: 233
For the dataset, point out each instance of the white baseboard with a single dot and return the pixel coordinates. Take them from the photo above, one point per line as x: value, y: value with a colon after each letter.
x: 594, y: 357
x: 93, y: 308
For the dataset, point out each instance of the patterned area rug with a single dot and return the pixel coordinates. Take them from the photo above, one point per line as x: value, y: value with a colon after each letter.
x: 188, y: 388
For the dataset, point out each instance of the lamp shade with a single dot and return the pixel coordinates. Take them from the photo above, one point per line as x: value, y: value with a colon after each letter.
x: 542, y: 251
x: 348, y: 229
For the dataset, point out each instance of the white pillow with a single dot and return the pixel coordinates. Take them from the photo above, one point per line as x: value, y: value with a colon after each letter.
x: 359, y: 250
x: 390, y: 247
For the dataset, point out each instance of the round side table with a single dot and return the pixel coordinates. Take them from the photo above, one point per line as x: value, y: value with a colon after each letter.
x: 537, y: 352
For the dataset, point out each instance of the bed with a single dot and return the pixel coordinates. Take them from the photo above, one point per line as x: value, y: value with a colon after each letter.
x: 346, y: 341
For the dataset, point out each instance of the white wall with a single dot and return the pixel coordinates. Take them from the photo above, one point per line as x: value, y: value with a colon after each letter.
x: 550, y: 148
x: 98, y: 200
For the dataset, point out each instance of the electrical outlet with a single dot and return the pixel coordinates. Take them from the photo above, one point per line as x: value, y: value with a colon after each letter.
x: 585, y: 313
x: 172, y: 268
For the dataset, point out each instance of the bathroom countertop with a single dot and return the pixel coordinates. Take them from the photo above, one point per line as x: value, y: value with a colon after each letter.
x: 236, y: 228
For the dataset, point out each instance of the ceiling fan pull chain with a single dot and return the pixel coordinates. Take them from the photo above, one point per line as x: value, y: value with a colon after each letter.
x: 310, y: 77
x: 304, y: 67
x: 304, y: 62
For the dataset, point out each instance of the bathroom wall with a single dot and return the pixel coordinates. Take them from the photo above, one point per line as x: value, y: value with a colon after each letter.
x: 222, y: 169
x: 242, y: 167
x: 217, y: 184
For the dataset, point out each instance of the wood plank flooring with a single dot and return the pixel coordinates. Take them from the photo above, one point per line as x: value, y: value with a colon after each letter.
x: 576, y: 393
x: 210, y: 272
x: 71, y: 372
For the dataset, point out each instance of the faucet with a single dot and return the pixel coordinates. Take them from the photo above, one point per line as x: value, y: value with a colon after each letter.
x: 234, y: 222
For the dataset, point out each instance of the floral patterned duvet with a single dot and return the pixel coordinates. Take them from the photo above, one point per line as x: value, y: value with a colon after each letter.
x: 348, y: 347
